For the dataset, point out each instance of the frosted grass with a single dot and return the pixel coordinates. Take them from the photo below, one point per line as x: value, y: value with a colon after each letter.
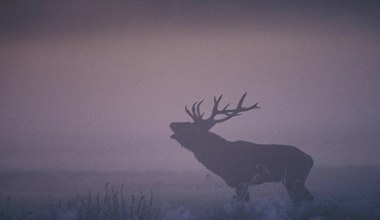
x: 114, y: 205
x: 351, y: 193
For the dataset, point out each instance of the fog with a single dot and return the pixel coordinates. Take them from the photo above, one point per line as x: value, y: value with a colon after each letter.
x: 94, y: 86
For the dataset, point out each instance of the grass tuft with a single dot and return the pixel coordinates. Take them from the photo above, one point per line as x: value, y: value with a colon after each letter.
x: 111, y: 205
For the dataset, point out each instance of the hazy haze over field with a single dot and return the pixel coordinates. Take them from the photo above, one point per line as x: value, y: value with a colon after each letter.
x: 95, y: 84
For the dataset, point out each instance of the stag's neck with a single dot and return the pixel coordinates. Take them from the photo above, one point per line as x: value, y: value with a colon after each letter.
x: 208, y: 140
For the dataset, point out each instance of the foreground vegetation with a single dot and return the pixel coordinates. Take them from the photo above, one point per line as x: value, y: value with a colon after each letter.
x: 340, y: 193
x: 114, y: 204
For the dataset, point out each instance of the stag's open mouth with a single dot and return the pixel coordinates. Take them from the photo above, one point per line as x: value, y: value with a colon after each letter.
x: 173, y: 136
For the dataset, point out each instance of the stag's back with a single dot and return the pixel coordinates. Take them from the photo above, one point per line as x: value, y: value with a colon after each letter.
x: 236, y: 161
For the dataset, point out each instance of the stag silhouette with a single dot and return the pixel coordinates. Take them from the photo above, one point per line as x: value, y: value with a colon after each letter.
x: 240, y: 163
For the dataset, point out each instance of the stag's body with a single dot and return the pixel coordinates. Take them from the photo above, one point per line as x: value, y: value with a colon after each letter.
x: 240, y: 163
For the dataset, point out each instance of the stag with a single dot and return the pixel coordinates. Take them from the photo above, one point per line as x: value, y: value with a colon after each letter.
x: 239, y: 163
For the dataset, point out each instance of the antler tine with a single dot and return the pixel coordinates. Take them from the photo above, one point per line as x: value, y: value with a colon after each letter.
x: 193, y: 108
x: 199, y: 114
x: 225, y: 107
x: 217, y: 100
x: 195, y: 112
x: 253, y: 106
x: 240, y: 103
x: 216, y: 104
x: 189, y: 113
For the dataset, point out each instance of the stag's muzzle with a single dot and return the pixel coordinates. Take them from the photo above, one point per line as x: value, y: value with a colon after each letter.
x: 173, y: 127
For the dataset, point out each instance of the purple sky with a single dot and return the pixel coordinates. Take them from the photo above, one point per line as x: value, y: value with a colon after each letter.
x: 88, y: 85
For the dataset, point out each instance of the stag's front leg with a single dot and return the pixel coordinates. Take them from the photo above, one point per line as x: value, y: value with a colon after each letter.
x: 242, y: 192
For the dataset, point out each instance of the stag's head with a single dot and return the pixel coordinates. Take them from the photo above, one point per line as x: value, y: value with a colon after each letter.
x: 184, y: 131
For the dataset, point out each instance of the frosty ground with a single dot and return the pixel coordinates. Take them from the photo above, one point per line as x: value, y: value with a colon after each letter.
x: 350, y: 192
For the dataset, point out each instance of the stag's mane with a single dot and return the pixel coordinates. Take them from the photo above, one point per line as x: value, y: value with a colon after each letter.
x: 201, y: 140
x: 210, y: 139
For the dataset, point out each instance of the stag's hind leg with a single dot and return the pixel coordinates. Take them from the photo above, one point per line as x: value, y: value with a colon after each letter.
x: 294, y: 181
x: 242, y: 192
x: 298, y: 192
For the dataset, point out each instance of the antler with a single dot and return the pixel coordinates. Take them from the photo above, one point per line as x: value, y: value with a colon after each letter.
x: 229, y: 113
x: 197, y: 116
x: 195, y: 113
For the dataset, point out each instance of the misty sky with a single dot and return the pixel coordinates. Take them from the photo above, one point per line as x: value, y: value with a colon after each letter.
x: 93, y: 85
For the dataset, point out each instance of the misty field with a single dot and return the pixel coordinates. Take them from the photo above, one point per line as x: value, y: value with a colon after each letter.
x: 340, y: 193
